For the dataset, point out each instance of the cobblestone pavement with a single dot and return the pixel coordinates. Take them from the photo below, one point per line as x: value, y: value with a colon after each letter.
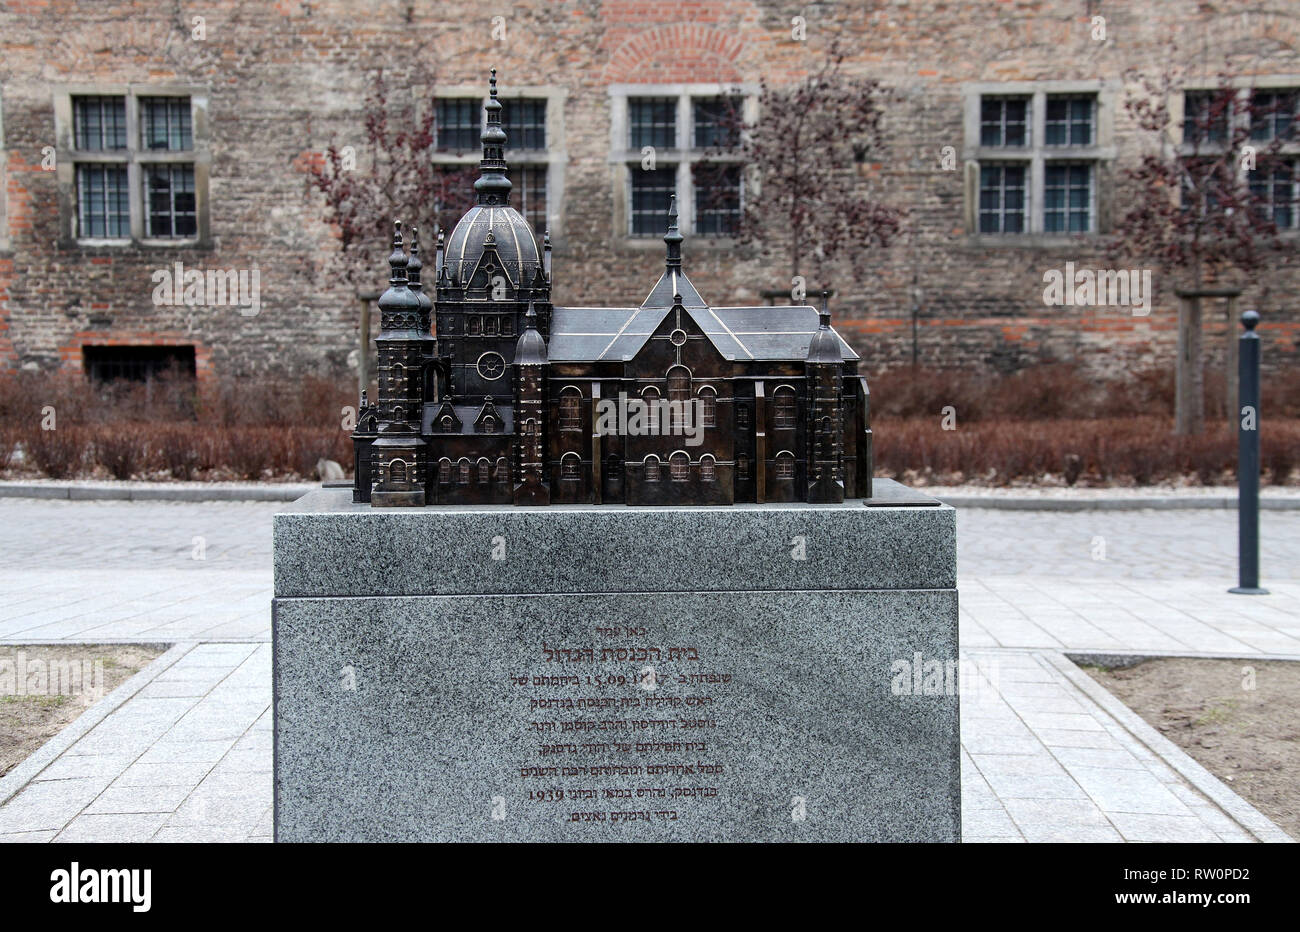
x: 186, y: 755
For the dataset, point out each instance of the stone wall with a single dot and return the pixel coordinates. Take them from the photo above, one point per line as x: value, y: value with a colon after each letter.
x: 286, y: 79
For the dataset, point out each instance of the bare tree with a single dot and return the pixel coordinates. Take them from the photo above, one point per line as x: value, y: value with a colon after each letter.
x: 390, y: 176
x: 803, y: 152
x: 1196, y: 201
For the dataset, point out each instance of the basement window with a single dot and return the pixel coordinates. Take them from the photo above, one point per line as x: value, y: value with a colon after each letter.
x: 137, y: 363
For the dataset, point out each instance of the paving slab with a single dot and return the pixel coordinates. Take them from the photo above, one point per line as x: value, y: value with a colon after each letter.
x: 185, y: 753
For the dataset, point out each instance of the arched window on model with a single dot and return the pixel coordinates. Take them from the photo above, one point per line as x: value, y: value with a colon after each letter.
x: 679, y: 466
x: 785, y: 465
x: 570, y: 409
x: 650, y: 398
x: 502, y: 473
x: 708, y: 406
x: 571, y: 467
x: 484, y: 470
x: 397, y: 471
x: 650, y: 468
x: 783, y: 415
x: 489, y: 425
x: 399, y: 413
x: 530, y: 427
x: 462, y: 467
x: 444, y: 471
x: 742, y: 467
x: 707, y: 467
x: 397, y: 377
x: 613, y: 467
x: 679, y: 393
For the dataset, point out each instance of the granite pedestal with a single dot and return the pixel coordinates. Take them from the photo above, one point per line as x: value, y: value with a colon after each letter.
x: 606, y: 673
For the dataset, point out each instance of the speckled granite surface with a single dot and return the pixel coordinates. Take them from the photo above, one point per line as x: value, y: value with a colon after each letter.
x: 717, y: 689
x: 327, y: 546
x: 774, y: 719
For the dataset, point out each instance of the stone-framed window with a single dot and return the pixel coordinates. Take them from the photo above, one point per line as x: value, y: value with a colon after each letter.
x: 1038, y: 155
x: 1276, y: 115
x: 1268, y: 106
x: 1278, y: 189
x: 1002, y: 197
x: 678, y: 139
x: 132, y: 163
x: 1202, y: 123
x: 533, y: 119
x: 457, y: 125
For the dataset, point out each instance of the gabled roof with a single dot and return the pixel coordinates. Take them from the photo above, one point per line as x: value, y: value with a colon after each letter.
x: 590, y: 334
x: 776, y: 332
x: 673, y: 282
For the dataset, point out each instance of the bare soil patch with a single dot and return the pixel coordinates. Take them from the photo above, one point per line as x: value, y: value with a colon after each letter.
x: 44, y: 688
x: 1239, y: 719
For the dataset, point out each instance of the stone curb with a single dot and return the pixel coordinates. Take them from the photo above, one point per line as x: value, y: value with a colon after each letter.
x: 289, y: 493
x: 250, y: 493
x: 1045, y: 503
x: 1240, y: 811
x: 16, y: 780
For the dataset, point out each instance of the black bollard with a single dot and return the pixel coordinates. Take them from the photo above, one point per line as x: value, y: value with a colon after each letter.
x: 1248, y: 459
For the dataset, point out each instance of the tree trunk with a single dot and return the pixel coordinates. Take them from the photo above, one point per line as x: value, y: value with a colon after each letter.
x: 1189, y: 404
x: 1230, y: 363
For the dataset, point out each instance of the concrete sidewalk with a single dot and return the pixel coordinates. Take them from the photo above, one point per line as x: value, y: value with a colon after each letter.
x: 183, y: 750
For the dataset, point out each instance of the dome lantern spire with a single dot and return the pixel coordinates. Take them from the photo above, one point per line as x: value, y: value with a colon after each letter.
x: 673, y: 238
x: 493, y: 186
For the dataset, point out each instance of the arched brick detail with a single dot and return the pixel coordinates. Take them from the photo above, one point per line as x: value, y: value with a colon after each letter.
x: 70, y: 353
x: 688, y: 52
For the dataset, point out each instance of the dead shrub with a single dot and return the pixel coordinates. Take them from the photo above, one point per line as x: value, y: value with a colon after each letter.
x: 121, y: 449
x: 58, y: 453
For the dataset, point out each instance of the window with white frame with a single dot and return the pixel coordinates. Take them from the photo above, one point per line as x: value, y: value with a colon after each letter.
x: 133, y: 164
x: 1276, y: 189
x: 1269, y: 116
x: 532, y: 120
x: 1037, y: 150
x: 682, y: 141
x: 1275, y: 115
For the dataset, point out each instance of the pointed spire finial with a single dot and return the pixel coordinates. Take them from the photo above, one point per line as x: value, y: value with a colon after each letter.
x: 413, y: 264
x: 673, y: 237
x: 824, y: 315
x: 397, y: 259
x: 493, y: 186
x: 530, y: 350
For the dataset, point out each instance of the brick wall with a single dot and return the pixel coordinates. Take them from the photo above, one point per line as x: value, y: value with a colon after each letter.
x: 287, y: 79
